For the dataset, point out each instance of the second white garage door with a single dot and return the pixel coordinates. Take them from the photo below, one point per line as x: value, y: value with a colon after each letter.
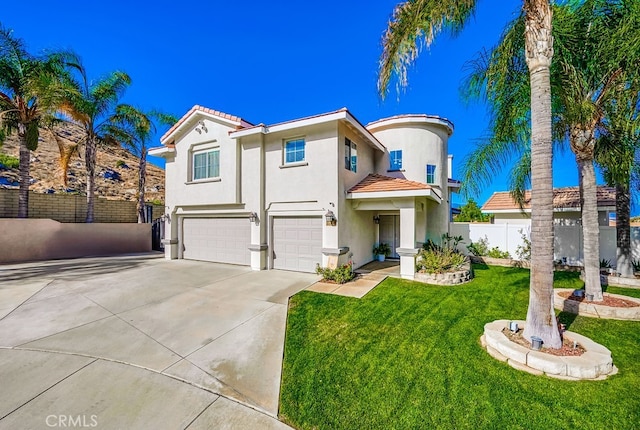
x: 297, y: 243
x: 222, y: 240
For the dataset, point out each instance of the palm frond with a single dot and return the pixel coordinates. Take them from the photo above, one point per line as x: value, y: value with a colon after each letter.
x: 414, y: 24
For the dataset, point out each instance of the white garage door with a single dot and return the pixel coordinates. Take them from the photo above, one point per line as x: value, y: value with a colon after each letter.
x: 297, y: 243
x: 222, y: 240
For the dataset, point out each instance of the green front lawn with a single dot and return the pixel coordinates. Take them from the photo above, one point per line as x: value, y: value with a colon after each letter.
x: 408, y: 356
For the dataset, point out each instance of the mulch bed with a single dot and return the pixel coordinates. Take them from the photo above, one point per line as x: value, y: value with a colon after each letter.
x: 614, y: 302
x: 567, y: 349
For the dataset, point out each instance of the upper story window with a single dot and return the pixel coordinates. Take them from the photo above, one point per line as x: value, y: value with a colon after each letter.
x: 431, y: 174
x: 294, y: 151
x: 206, y: 164
x: 395, y: 160
x: 350, y: 155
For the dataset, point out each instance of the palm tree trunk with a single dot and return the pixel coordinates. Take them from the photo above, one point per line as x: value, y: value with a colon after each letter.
x: 142, y: 176
x: 25, y: 165
x: 590, y: 228
x: 624, y: 265
x: 90, y: 164
x: 541, y: 319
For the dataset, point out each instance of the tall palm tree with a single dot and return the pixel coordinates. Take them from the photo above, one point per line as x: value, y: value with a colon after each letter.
x: 416, y: 21
x: 617, y: 153
x: 92, y: 108
x: 31, y: 88
x: 588, y: 68
x: 135, y: 129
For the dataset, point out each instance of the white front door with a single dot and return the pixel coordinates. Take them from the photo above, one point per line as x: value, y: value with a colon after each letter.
x: 390, y: 232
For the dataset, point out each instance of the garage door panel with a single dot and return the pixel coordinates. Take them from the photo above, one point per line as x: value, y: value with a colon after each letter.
x: 222, y: 240
x: 297, y: 243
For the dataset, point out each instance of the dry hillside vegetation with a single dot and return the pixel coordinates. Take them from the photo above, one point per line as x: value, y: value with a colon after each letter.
x: 116, y: 169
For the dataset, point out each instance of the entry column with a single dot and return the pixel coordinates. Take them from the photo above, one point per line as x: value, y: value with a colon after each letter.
x: 407, y: 250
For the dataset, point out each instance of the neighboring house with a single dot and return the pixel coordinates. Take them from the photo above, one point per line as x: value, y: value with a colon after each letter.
x: 317, y: 190
x: 566, y: 207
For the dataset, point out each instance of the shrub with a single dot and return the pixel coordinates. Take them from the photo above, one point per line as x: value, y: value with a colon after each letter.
x: 479, y: 248
x: 9, y: 161
x: 121, y: 163
x: 636, y: 265
x: 339, y: 275
x: 524, y: 251
x: 605, y: 264
x: 439, y: 261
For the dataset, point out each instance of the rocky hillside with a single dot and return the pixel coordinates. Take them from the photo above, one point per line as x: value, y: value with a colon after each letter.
x: 116, y: 170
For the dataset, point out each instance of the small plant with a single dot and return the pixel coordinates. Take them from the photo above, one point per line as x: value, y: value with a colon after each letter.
x: 382, y: 249
x: 605, y: 264
x: 121, y: 163
x: 439, y: 260
x: 479, y: 248
x: 636, y: 265
x: 495, y: 252
x: 339, y: 275
x: 9, y: 161
x: 524, y: 251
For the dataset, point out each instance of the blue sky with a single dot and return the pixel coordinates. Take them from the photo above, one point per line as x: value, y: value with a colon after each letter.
x: 270, y: 61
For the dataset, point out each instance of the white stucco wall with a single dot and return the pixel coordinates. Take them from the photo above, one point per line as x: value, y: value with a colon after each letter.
x: 180, y: 189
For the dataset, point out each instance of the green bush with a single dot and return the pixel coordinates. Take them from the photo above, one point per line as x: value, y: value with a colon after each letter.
x: 9, y: 162
x: 479, y: 248
x: 605, y: 264
x: 524, y: 251
x: 439, y: 260
x: 636, y: 265
x: 120, y: 163
x: 496, y: 253
x: 339, y: 275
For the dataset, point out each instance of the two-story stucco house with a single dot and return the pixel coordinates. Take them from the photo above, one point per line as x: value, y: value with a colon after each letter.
x: 294, y: 194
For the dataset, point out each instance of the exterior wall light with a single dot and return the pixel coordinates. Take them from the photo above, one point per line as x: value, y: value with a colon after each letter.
x: 253, y: 217
x: 331, y: 218
x: 376, y: 219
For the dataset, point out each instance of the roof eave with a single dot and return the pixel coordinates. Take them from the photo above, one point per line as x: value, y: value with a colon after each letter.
x: 394, y: 194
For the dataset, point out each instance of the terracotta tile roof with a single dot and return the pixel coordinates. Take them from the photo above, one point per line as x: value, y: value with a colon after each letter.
x: 242, y: 122
x: 568, y: 197
x: 376, y: 183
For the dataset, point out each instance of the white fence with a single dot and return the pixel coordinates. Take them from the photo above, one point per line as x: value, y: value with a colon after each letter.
x: 567, y: 244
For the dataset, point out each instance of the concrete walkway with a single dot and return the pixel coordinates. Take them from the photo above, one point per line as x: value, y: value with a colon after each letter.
x: 369, y: 276
x: 141, y: 342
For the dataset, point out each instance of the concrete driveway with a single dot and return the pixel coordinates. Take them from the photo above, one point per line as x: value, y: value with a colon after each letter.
x: 142, y: 342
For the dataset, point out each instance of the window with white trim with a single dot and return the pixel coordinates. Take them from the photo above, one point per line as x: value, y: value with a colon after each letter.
x: 350, y: 155
x: 206, y: 164
x: 395, y: 160
x: 431, y: 174
x: 294, y: 151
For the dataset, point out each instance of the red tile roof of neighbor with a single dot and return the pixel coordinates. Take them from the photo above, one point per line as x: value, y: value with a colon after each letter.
x: 568, y: 197
x: 243, y: 123
x: 374, y: 183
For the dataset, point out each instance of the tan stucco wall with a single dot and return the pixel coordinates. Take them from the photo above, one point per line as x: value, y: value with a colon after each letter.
x: 71, y: 208
x: 45, y: 239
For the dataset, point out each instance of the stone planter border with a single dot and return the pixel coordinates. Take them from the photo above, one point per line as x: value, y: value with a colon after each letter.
x: 595, y: 310
x: 453, y: 278
x: 617, y: 281
x: 595, y: 364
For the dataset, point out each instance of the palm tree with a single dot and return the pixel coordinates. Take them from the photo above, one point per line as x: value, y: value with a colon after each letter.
x: 617, y: 153
x: 92, y: 108
x: 135, y: 128
x: 585, y: 76
x: 31, y: 88
x: 416, y: 21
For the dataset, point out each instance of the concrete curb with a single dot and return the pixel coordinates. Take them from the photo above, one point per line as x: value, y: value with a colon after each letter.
x: 595, y: 364
x: 595, y: 310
